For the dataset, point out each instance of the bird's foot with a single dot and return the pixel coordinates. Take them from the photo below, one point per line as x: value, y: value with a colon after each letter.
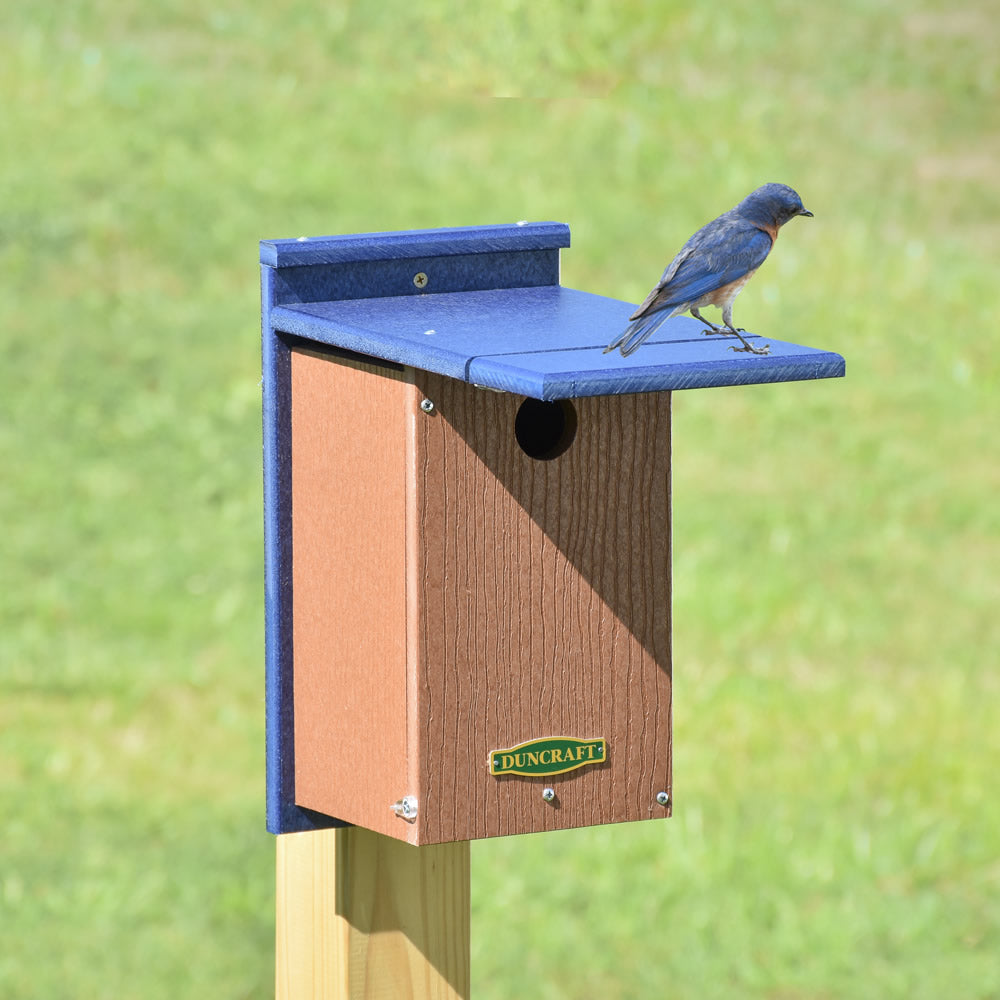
x: 747, y: 348
x: 714, y: 329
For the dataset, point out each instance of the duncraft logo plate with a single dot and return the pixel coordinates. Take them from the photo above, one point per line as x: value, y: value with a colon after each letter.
x: 551, y: 755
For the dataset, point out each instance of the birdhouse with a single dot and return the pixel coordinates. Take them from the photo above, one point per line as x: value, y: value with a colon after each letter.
x: 467, y: 511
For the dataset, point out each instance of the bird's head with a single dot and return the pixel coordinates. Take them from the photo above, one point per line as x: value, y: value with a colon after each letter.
x: 772, y: 204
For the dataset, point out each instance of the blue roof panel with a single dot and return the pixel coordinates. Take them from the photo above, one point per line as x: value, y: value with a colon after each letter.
x: 546, y: 342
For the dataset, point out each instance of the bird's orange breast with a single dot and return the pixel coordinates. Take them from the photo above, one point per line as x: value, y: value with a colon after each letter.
x: 724, y: 296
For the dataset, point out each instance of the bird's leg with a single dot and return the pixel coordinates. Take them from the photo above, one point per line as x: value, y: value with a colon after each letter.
x: 712, y: 328
x: 727, y: 318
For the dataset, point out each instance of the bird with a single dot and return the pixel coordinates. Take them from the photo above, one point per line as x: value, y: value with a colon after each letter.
x: 713, y: 266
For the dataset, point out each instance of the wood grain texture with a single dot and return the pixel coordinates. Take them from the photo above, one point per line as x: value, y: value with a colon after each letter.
x: 364, y: 917
x: 544, y: 609
x: 350, y: 432
x: 453, y: 596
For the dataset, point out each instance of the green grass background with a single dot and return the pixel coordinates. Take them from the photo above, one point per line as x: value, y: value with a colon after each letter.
x: 837, y: 692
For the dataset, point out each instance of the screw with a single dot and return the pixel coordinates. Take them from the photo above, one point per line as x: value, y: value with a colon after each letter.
x: 406, y: 808
x: 427, y: 405
x: 548, y: 794
x: 420, y: 279
x: 663, y: 798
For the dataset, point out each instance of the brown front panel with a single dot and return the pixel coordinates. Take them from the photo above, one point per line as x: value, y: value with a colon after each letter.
x: 350, y: 423
x: 542, y: 609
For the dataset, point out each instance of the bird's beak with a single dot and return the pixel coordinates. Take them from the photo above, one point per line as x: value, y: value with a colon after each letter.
x: 806, y: 211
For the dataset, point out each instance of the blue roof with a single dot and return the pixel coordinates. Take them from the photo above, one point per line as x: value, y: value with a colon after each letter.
x: 484, y: 304
x: 546, y: 342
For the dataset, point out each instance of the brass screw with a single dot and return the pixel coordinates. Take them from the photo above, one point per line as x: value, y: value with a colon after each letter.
x: 420, y: 279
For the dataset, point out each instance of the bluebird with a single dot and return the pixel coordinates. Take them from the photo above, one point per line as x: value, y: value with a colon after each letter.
x: 713, y: 266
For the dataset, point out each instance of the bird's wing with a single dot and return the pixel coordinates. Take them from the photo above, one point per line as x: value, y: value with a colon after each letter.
x: 719, y: 253
x: 671, y: 270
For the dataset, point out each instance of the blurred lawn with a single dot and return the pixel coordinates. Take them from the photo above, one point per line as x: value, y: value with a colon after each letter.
x: 837, y: 828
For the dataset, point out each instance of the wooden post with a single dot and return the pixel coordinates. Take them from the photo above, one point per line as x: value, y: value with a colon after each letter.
x: 361, y: 916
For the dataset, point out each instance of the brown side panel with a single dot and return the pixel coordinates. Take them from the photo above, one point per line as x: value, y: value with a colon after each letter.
x: 350, y: 422
x: 543, y: 610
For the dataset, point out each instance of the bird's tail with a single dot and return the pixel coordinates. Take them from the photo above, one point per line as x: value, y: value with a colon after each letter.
x: 638, y: 332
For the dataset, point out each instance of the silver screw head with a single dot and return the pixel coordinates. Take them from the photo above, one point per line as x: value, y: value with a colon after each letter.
x: 406, y: 808
x: 663, y: 798
x: 548, y: 794
x: 427, y: 405
x: 420, y: 279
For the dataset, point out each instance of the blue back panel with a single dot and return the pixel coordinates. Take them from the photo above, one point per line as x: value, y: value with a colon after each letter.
x: 414, y: 243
